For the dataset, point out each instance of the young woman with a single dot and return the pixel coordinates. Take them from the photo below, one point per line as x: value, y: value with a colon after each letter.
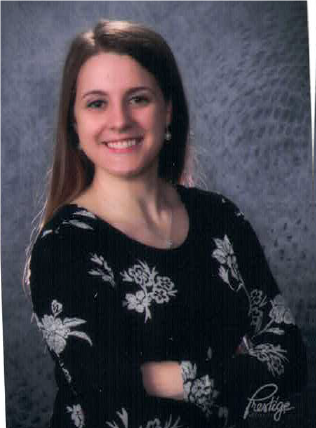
x: 155, y: 300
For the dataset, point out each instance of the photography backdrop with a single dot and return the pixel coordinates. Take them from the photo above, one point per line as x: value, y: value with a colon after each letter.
x: 245, y: 69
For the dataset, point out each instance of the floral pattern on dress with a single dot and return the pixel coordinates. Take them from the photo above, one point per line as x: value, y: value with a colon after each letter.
x: 156, y: 423
x: 73, y: 222
x: 56, y: 330
x: 47, y: 232
x: 272, y: 355
x: 199, y: 391
x: 67, y: 375
x: 280, y: 313
x: 268, y: 353
x: 77, y: 415
x: 85, y: 213
x: 228, y: 271
x: 78, y: 223
x: 257, y: 301
x: 103, y: 269
x: 188, y: 371
x: 154, y: 288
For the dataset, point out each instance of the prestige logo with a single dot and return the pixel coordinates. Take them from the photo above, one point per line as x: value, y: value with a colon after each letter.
x: 264, y: 400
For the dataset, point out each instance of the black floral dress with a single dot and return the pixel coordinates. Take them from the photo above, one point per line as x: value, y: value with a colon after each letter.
x: 106, y: 303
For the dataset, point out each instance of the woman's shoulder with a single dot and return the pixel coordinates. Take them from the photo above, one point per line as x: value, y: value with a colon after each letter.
x: 70, y: 215
x: 70, y: 224
x: 209, y: 200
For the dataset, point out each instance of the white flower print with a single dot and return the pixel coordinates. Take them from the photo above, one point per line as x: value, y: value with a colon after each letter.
x: 77, y: 223
x: 223, y: 273
x: 154, y: 288
x: 102, y: 270
x: 188, y: 372
x: 160, y: 295
x: 47, y: 232
x: 272, y: 355
x: 257, y: 298
x: 138, y: 302
x: 200, y: 391
x: 85, y: 213
x: 203, y: 394
x: 77, y: 415
x: 123, y: 417
x: 256, y: 301
x: 156, y: 423
x: 57, y: 307
x: 256, y: 318
x: 280, y: 313
x: 228, y: 270
x: 164, y: 282
x: 200, y: 388
x: 56, y: 330
x: 67, y: 375
x: 140, y: 274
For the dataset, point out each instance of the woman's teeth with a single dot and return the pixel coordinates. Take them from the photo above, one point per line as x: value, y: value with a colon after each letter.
x: 122, y: 144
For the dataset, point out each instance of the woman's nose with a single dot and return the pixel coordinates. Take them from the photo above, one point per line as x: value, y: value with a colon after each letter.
x: 118, y: 116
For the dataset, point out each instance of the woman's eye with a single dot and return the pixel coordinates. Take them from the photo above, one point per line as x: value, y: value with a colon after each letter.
x: 139, y: 100
x: 96, y: 104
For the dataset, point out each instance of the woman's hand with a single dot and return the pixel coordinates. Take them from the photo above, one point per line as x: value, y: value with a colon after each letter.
x: 163, y: 379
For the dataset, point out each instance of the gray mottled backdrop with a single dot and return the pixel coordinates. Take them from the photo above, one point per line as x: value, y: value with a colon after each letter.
x: 245, y: 67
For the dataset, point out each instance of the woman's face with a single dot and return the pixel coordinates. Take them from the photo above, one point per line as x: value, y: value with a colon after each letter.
x: 120, y: 115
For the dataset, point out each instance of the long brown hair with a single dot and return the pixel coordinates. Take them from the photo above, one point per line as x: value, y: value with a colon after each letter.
x: 72, y: 171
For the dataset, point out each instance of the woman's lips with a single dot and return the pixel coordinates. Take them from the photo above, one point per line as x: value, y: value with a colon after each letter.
x: 125, y: 145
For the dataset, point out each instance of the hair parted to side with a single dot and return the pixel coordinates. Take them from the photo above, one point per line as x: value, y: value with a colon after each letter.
x: 72, y: 171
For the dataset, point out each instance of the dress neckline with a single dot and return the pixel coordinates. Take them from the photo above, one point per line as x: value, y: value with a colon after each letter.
x: 181, y: 190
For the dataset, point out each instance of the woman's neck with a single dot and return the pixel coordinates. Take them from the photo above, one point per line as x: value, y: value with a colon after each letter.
x: 131, y: 200
x: 149, y: 211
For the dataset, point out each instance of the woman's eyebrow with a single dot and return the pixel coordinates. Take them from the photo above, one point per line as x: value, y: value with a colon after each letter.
x: 100, y: 92
x: 94, y: 92
x: 140, y: 88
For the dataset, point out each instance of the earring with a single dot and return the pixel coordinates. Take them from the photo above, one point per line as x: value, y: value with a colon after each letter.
x: 168, y: 135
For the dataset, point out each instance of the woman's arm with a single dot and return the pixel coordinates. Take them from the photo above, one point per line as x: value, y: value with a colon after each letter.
x: 223, y: 384
x: 73, y: 294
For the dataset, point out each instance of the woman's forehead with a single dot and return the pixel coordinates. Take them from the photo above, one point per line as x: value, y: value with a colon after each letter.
x: 113, y: 71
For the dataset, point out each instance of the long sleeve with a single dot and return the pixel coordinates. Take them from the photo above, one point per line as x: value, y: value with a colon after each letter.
x: 74, y: 301
x: 224, y: 380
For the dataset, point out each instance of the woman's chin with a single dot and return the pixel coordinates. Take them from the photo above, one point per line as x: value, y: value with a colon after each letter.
x: 140, y: 172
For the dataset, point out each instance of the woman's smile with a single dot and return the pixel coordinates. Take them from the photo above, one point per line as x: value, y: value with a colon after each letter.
x: 124, y: 145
